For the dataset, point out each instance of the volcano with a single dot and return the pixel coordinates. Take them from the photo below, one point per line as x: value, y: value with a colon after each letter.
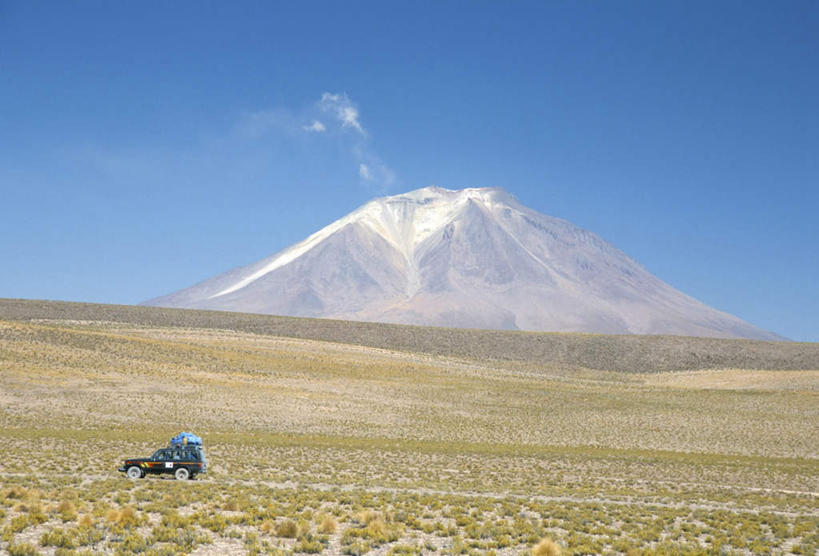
x: 470, y: 258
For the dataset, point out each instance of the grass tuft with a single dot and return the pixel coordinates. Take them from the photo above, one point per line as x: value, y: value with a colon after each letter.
x: 288, y: 529
x: 546, y: 547
x: 327, y: 525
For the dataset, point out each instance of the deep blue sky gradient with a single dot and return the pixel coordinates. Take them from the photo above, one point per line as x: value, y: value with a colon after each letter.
x: 132, y: 161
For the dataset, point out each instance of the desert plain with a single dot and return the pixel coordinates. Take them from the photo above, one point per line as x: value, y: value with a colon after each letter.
x: 357, y: 438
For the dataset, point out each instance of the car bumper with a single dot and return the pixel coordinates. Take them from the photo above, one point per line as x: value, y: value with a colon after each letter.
x: 123, y: 469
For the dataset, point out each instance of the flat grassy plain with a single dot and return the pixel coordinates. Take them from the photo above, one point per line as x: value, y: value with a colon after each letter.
x: 354, y: 438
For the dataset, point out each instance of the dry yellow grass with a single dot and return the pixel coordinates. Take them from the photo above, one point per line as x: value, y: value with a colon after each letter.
x: 737, y: 379
x: 288, y: 529
x: 330, y: 447
x: 546, y: 547
x: 328, y: 525
x: 620, y: 353
x: 94, y: 373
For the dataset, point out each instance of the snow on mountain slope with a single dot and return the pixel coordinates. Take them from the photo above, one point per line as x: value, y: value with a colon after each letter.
x: 467, y: 258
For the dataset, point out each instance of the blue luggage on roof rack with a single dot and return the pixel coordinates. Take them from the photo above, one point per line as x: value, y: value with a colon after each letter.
x: 185, y: 438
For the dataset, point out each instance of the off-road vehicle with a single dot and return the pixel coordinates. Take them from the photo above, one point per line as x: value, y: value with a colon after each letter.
x: 181, y: 461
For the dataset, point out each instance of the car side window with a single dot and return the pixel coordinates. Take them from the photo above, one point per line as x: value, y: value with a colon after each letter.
x: 157, y: 455
x: 177, y: 455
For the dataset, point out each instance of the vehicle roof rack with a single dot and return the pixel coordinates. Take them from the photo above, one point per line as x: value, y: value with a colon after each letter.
x: 186, y: 439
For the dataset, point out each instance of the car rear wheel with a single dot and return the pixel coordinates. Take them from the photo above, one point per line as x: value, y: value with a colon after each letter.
x: 181, y: 474
x: 134, y: 472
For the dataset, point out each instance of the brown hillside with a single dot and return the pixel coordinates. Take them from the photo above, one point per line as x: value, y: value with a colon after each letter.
x: 602, y: 352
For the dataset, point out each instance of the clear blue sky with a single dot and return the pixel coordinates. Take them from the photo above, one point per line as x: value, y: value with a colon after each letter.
x: 145, y: 146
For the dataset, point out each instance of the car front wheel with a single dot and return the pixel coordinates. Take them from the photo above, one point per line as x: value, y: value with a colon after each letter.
x: 181, y: 474
x: 134, y: 472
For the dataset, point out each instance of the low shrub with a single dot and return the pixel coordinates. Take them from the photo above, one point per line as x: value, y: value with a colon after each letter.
x: 310, y: 544
x: 288, y: 529
x: 58, y: 537
x: 67, y: 510
x: 328, y: 525
x: 546, y: 547
x: 22, y: 549
x: 14, y: 493
x: 133, y: 543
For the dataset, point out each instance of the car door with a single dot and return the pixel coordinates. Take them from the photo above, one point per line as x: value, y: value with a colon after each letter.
x: 171, y: 460
x: 155, y: 465
x: 178, y: 457
x: 165, y: 463
x: 191, y: 457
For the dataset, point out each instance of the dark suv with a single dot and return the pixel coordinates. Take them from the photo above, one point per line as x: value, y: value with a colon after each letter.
x: 183, y: 462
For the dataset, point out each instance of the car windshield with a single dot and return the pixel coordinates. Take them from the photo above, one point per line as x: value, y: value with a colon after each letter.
x: 158, y: 454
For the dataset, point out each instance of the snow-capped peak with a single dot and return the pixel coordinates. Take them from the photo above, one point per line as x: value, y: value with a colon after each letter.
x: 472, y: 257
x: 407, y: 220
x: 404, y: 221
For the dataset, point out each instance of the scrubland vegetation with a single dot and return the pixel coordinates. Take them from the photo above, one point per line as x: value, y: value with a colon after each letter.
x: 343, y: 448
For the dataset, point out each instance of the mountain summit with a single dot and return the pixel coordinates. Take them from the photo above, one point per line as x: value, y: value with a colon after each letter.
x: 473, y: 258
